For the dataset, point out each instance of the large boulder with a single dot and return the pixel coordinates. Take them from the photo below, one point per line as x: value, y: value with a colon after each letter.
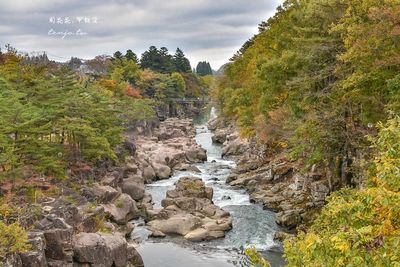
x: 58, y: 244
x: 234, y: 147
x: 105, y: 193
x: 134, y: 188
x: 102, y: 250
x: 190, y: 187
x: 122, y: 210
x: 134, y: 258
x: 117, y: 247
x: 288, y: 218
x: 219, y: 136
x: 94, y: 249
x: 178, y: 224
x: 148, y: 173
x: 202, y: 234
x: 196, y: 155
x: 162, y: 171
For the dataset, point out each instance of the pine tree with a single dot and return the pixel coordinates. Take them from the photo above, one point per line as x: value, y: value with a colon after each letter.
x: 130, y: 55
x: 181, y: 63
x: 118, y: 55
x: 203, y: 68
x: 158, y: 60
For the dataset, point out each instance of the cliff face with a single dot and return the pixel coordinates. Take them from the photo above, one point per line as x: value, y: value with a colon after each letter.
x: 181, y: 108
x: 274, y: 181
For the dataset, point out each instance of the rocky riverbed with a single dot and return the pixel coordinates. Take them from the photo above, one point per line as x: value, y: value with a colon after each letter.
x: 251, y: 224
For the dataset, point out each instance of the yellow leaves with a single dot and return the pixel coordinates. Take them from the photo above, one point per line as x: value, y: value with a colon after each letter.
x: 256, y: 258
x: 274, y: 46
x: 283, y: 144
x: 387, y: 228
x: 13, y: 238
x: 356, y: 228
x: 367, y: 230
x: 311, y: 240
x: 341, y: 245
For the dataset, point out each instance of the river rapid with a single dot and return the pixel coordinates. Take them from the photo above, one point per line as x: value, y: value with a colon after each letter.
x: 252, y: 225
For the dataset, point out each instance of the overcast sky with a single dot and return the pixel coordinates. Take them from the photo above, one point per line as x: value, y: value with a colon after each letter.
x: 211, y: 30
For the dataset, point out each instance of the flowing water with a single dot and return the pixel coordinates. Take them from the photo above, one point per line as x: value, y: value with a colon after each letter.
x: 251, y: 224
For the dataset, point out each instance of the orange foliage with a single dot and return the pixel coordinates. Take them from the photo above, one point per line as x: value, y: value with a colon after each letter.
x: 109, y: 84
x: 132, y: 91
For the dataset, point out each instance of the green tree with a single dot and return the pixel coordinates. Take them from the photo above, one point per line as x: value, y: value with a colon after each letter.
x: 203, y: 68
x: 181, y: 63
x: 130, y: 55
x: 158, y: 60
x: 118, y: 55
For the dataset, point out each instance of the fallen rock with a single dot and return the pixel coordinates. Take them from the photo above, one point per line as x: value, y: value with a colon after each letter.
x: 196, y: 155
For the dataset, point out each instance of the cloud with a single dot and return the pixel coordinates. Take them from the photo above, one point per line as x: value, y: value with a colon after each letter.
x: 205, y: 29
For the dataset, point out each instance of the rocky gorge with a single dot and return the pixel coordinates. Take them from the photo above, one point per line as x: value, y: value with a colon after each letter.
x: 276, y: 182
x: 188, y: 183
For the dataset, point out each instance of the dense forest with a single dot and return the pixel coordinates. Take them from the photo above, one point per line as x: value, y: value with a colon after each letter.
x: 52, y: 117
x: 320, y: 83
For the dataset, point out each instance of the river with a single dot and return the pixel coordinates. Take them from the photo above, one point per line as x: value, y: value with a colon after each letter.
x: 252, y: 225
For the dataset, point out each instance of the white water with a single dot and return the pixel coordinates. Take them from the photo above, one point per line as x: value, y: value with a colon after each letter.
x: 251, y: 224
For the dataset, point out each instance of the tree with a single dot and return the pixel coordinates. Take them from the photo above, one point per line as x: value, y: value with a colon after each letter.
x: 118, y: 55
x: 130, y: 55
x: 49, y: 121
x: 203, y: 68
x: 157, y: 60
x: 74, y: 63
x: 124, y: 70
x: 358, y: 227
x: 181, y: 63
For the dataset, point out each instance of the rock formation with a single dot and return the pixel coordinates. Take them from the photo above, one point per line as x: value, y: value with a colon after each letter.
x: 188, y: 211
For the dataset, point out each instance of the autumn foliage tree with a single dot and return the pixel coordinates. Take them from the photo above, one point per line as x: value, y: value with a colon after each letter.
x: 319, y: 77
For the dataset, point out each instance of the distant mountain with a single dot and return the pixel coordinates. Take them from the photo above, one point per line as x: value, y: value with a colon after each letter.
x: 221, y: 70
